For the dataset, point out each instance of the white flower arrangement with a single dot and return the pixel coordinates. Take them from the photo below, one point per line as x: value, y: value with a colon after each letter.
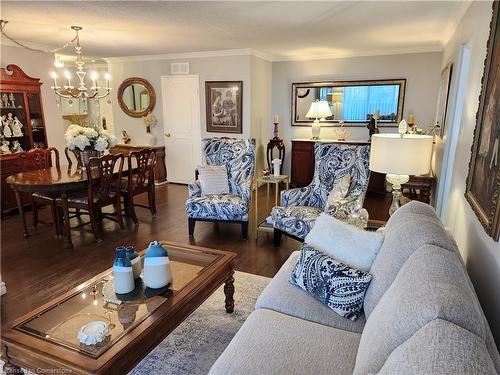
x: 88, y: 138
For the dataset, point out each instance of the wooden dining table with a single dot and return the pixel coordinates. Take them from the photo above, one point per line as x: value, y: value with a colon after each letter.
x: 54, y: 180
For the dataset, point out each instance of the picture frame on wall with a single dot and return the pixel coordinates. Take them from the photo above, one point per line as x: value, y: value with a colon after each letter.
x: 443, y: 98
x: 483, y: 187
x: 224, y: 106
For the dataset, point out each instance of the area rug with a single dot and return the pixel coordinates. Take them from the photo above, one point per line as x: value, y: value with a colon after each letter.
x: 194, y: 346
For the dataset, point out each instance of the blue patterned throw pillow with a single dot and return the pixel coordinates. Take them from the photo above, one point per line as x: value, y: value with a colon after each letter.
x: 337, y: 285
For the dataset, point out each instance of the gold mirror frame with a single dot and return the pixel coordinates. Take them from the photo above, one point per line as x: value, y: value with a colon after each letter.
x: 149, y: 89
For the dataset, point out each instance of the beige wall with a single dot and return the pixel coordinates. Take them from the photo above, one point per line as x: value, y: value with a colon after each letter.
x: 223, y: 68
x: 481, y: 254
x: 421, y: 70
x: 39, y: 65
x: 260, y: 115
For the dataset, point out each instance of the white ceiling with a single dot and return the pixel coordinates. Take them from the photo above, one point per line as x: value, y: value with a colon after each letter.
x: 280, y: 30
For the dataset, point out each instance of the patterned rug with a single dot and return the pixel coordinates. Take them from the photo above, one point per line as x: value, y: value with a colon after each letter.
x: 196, y: 343
x: 194, y: 346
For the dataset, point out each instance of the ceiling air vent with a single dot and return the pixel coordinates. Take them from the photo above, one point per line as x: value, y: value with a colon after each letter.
x: 179, y: 68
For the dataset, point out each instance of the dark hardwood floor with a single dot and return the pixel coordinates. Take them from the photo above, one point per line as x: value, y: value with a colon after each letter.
x: 38, y: 268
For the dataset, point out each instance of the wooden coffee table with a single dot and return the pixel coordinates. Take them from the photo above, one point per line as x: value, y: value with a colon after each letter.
x: 46, y: 338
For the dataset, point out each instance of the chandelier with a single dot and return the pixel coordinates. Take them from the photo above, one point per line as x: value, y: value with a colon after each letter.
x: 68, y: 90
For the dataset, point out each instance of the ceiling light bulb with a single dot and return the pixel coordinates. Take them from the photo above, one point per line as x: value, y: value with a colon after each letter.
x: 94, y: 76
x: 107, y: 77
x: 53, y: 75
x: 66, y: 74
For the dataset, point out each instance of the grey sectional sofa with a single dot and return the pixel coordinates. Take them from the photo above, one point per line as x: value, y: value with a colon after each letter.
x: 422, y: 316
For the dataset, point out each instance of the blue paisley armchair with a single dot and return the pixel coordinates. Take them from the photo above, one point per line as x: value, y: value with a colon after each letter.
x: 300, y: 207
x: 239, y: 157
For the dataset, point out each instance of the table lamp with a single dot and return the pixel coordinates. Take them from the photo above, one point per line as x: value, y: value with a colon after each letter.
x: 400, y: 156
x: 318, y: 111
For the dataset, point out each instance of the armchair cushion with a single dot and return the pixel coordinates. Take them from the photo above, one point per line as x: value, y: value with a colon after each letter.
x: 213, y: 179
x: 217, y: 207
x: 295, y: 220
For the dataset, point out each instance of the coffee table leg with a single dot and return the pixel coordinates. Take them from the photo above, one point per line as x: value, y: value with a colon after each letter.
x: 229, y: 292
x: 20, y: 206
x: 66, y: 228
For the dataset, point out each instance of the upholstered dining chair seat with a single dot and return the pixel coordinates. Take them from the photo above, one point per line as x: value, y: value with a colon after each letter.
x: 82, y: 197
x: 295, y: 220
x: 218, y: 206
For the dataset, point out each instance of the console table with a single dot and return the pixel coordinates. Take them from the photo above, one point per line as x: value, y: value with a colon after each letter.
x: 160, y: 168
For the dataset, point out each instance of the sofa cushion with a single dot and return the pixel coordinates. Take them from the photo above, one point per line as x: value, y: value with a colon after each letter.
x: 440, y: 347
x: 217, y: 207
x: 213, y: 179
x: 405, y: 233
x: 345, y: 242
x: 273, y: 343
x: 340, y: 287
x: 281, y: 296
x: 432, y: 284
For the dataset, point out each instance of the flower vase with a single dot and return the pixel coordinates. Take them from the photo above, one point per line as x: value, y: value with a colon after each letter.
x: 85, y: 156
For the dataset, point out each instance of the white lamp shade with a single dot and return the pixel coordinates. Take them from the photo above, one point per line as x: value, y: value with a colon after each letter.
x: 407, y: 155
x: 319, y: 109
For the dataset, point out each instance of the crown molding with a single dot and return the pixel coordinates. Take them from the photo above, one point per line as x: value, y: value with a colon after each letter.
x: 191, y: 55
x: 342, y: 55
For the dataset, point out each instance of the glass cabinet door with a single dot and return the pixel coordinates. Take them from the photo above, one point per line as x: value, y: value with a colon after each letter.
x: 14, y: 132
x: 36, y: 120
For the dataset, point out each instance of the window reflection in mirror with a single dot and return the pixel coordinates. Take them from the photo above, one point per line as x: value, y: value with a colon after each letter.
x: 353, y: 102
x: 136, y: 97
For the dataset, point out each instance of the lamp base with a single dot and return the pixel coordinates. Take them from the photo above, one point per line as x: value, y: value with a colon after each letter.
x: 396, y: 180
x: 315, y: 130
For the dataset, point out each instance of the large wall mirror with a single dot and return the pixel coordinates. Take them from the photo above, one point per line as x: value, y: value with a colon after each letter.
x: 353, y: 102
x: 136, y: 97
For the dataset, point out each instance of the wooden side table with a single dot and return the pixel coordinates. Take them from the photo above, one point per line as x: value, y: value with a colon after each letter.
x: 263, y: 225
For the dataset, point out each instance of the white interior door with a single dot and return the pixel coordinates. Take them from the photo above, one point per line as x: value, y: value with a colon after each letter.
x: 182, y: 131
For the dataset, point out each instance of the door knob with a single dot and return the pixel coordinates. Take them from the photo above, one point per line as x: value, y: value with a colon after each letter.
x: 167, y: 135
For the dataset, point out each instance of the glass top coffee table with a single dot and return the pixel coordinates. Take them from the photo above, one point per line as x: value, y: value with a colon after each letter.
x: 47, y: 338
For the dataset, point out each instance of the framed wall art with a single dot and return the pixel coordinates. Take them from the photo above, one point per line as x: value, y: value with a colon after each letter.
x: 224, y: 108
x: 483, y: 181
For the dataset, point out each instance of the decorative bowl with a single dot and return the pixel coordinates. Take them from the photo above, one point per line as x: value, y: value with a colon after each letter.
x: 93, y: 333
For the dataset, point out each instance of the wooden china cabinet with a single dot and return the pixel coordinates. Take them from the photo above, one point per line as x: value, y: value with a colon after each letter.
x: 21, y: 102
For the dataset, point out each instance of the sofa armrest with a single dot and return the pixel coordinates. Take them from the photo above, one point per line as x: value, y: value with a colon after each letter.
x: 194, y: 189
x: 295, y: 197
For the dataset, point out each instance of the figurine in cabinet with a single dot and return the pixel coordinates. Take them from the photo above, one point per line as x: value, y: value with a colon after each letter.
x: 7, y: 132
x: 16, y: 127
x: 4, y: 149
x: 5, y: 100
x: 16, y: 147
x: 11, y: 99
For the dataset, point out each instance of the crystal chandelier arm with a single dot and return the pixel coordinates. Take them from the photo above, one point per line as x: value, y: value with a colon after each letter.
x: 2, y: 29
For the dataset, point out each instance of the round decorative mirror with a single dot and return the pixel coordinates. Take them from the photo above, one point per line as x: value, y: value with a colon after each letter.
x: 136, y: 97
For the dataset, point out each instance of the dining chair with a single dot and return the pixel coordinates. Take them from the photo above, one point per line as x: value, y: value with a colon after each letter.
x: 103, y: 176
x: 41, y: 158
x: 140, y: 179
x: 70, y: 155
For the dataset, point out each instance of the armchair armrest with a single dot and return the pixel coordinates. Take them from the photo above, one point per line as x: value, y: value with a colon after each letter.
x: 296, y: 197
x: 194, y: 189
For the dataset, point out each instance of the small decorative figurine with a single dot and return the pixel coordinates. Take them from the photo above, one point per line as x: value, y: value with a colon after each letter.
x: 266, y: 172
x: 5, y: 100
x: 16, y: 147
x: 403, y: 127
x: 157, y: 272
x: 93, y: 333
x: 7, y: 132
x: 11, y: 99
x: 123, y: 275
x: 4, y: 149
x: 373, y: 124
x: 125, y: 137
x: 16, y: 127
x: 135, y: 260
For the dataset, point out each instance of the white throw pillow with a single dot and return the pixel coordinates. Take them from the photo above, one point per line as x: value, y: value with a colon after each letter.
x: 344, y: 242
x: 339, y: 190
x: 213, y: 179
